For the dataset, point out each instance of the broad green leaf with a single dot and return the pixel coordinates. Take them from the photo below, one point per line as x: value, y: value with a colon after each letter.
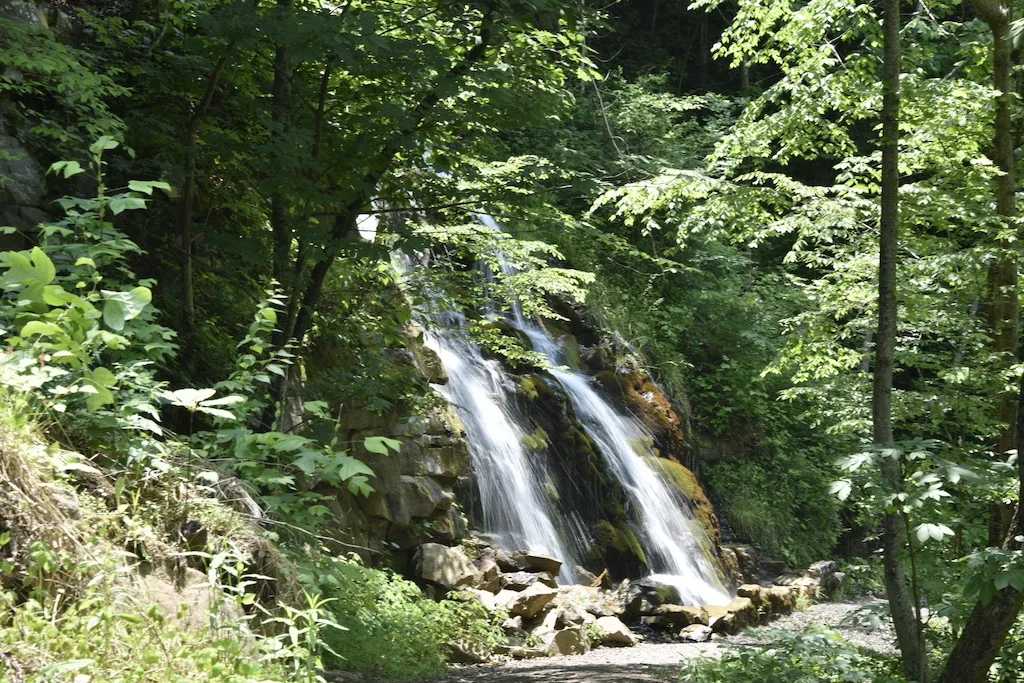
x: 147, y: 187
x: 381, y: 444
x: 39, y: 327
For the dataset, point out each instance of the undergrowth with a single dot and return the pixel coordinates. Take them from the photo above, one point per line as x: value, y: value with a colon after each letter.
x: 816, y: 655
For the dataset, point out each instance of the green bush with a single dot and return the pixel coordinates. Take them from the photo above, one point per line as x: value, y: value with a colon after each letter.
x: 816, y: 655
x: 393, y: 630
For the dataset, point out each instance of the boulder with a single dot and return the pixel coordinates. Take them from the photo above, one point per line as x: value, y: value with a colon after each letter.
x: 806, y: 586
x: 410, y: 497
x: 530, y: 602
x: 781, y: 599
x: 743, y: 612
x: 683, y: 615
x: 507, y: 561
x: 553, y: 621
x: 757, y: 593
x: 614, y: 632
x: 569, y: 641
x: 828, y: 575
x: 488, y: 575
x: 660, y: 623
x: 718, y: 617
x: 538, y: 562
x: 517, y: 581
x: 485, y: 598
x: 695, y: 633
x: 444, y: 565
x: 658, y: 592
x: 463, y: 652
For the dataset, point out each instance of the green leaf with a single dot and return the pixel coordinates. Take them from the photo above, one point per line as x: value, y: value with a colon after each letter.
x: 69, y: 168
x: 39, y: 327
x: 381, y: 444
x: 147, y: 187
x: 103, y: 143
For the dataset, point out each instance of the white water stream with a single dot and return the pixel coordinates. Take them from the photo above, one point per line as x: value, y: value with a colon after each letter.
x: 514, y: 484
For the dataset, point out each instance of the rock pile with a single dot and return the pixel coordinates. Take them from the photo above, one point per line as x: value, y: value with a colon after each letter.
x: 546, y: 619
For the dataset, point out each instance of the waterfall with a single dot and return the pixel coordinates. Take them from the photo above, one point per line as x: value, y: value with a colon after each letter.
x: 676, y: 545
x: 517, y: 508
x: 512, y: 484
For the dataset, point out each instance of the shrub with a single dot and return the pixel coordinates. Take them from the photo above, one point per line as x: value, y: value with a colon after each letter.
x: 816, y: 655
x: 393, y: 630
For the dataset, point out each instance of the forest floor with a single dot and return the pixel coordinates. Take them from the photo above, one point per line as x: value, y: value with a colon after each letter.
x: 659, y: 662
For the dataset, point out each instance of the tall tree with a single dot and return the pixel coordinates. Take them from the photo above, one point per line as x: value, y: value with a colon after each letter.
x: 894, y: 528
x: 990, y: 622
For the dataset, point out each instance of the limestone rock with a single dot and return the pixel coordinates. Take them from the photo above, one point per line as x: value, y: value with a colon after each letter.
x: 485, y: 598
x: 683, y: 615
x: 614, y: 632
x: 757, y: 593
x: 21, y: 176
x: 743, y: 612
x: 569, y: 641
x: 538, y: 562
x: 463, y: 652
x: 444, y: 565
x: 518, y: 581
x: 489, y: 576
x: 530, y: 602
x: 507, y: 561
x: 695, y: 633
x: 781, y: 599
x: 718, y: 617
x: 658, y: 592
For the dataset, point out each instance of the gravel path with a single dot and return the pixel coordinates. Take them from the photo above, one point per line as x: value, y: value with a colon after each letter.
x: 658, y: 662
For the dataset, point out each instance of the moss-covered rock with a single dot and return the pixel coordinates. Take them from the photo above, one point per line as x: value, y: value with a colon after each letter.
x: 685, y: 484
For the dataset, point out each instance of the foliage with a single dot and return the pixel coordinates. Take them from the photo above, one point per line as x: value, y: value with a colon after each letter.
x: 393, y: 629
x: 815, y: 655
x: 62, y: 97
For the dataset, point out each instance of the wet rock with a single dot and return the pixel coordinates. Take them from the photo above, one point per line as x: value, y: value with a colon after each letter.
x: 657, y: 592
x: 614, y: 632
x: 683, y: 615
x: 444, y: 565
x: 538, y: 562
x: 695, y: 633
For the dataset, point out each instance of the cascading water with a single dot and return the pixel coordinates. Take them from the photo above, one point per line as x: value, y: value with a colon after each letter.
x: 511, y: 483
x: 676, y: 545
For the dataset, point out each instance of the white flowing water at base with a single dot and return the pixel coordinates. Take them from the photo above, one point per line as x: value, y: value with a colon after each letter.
x: 676, y: 545
x: 512, y: 484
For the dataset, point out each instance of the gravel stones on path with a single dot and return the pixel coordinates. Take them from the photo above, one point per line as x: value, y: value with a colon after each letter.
x: 659, y: 662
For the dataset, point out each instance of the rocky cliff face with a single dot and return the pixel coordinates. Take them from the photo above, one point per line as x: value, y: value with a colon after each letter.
x: 425, y: 493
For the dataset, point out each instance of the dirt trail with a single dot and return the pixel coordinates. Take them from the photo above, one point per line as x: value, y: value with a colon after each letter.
x: 657, y: 662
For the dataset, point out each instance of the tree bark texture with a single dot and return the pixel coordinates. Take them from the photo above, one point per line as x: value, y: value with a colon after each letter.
x: 989, y: 624
x: 894, y: 531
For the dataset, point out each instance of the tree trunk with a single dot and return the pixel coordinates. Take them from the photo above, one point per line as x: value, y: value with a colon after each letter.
x: 894, y: 531
x: 989, y: 624
x: 280, y: 229
x: 191, y: 140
